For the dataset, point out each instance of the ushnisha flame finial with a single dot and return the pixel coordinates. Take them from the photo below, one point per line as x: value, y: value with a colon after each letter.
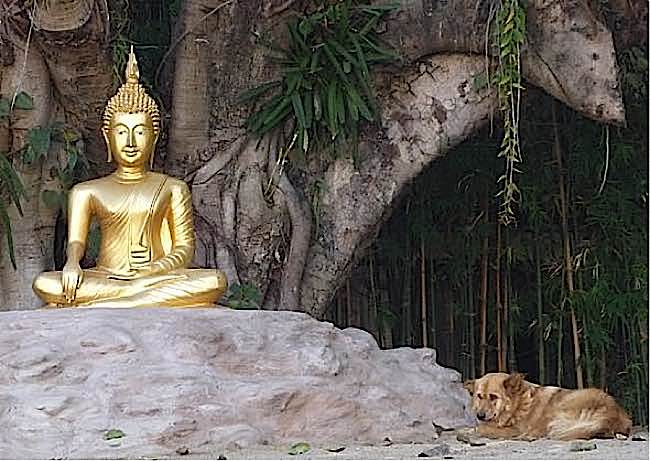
x: 132, y: 71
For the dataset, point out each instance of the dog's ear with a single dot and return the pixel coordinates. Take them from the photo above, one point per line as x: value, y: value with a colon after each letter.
x: 469, y: 386
x: 514, y: 383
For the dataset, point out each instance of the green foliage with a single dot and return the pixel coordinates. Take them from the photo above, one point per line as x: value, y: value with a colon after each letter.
x: 113, y: 434
x: 510, y: 36
x: 244, y: 296
x: 299, y: 448
x: 22, y: 101
x: 75, y: 167
x: 38, y: 144
x: 325, y: 88
x: 11, y: 187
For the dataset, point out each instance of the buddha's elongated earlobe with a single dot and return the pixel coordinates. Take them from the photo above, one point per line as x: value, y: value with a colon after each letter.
x: 109, y: 159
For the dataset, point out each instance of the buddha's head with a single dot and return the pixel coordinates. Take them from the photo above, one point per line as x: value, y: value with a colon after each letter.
x: 131, y: 122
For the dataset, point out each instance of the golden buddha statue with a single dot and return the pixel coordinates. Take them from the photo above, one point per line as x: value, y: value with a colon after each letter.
x: 145, y: 220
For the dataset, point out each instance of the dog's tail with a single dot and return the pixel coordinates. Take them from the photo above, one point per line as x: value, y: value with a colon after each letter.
x: 591, y: 423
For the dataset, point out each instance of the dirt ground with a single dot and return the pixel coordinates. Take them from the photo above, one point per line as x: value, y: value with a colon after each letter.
x: 449, y: 447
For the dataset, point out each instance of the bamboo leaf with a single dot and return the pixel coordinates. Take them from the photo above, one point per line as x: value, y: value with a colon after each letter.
x: 6, y: 224
x: 340, y: 107
x: 331, y: 109
x: 317, y: 106
x: 337, y: 66
x: 12, y: 182
x: 299, y: 110
x: 361, y: 58
x: 308, y: 104
x: 363, y: 108
x: 258, y: 91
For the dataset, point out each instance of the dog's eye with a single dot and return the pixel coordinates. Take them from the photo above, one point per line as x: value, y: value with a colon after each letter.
x: 493, y: 397
x: 480, y: 396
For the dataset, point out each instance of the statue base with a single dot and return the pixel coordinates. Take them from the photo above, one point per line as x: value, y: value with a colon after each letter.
x: 207, y: 379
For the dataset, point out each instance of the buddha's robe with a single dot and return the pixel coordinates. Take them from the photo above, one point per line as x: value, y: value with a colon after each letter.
x: 144, y: 223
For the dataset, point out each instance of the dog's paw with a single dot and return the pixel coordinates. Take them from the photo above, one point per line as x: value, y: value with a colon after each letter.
x: 620, y: 436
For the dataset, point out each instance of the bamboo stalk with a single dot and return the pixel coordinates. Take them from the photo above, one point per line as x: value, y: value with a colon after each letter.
x: 423, y: 290
x: 603, y: 367
x: 348, y: 303
x: 407, y: 337
x: 432, y: 300
x: 560, y: 334
x: 373, y: 314
x: 541, y: 359
x: 512, y: 357
x: 499, y: 306
x: 484, y: 288
x: 386, y: 327
x: 471, y: 318
x: 567, y: 249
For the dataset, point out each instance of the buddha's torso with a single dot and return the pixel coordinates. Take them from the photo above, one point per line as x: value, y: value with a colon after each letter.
x: 135, y: 218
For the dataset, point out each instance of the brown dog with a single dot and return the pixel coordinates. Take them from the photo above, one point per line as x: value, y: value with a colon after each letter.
x: 509, y: 407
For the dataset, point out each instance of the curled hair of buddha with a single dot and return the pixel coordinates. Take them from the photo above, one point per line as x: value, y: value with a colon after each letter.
x: 131, y: 98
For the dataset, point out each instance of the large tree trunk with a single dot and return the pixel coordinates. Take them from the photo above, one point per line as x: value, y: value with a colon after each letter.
x: 59, y: 57
x: 428, y: 106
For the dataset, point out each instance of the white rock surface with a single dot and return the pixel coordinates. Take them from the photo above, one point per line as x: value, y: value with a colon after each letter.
x: 208, y: 378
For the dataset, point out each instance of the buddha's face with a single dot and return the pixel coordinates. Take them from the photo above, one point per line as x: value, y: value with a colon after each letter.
x: 131, y: 139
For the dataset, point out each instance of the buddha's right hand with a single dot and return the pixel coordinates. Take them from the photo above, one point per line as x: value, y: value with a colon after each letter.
x: 71, y: 278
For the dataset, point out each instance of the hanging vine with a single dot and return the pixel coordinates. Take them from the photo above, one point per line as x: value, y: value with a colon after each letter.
x: 509, y: 37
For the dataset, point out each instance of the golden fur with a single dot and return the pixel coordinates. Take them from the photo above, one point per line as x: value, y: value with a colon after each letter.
x: 507, y: 407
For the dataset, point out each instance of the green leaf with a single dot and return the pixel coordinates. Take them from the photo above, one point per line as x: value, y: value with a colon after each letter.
x: 5, y: 108
x: 317, y: 106
x: 353, y: 108
x: 315, y: 58
x: 382, y: 53
x: 52, y: 199
x: 363, y: 108
x: 340, y: 107
x: 335, y: 63
x: 299, y: 448
x: 38, y: 143
x: 113, y: 434
x: 369, y: 25
x: 258, y: 91
x: 362, y: 59
x: 308, y: 104
x: 24, y: 101
x: 298, y: 109
x: 6, y: 224
x: 274, y: 123
x: 9, y: 178
x: 331, y: 109
x: 305, y: 27
x: 272, y: 118
x: 480, y: 81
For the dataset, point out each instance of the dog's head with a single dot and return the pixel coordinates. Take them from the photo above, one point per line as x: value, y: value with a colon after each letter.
x: 493, y: 395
